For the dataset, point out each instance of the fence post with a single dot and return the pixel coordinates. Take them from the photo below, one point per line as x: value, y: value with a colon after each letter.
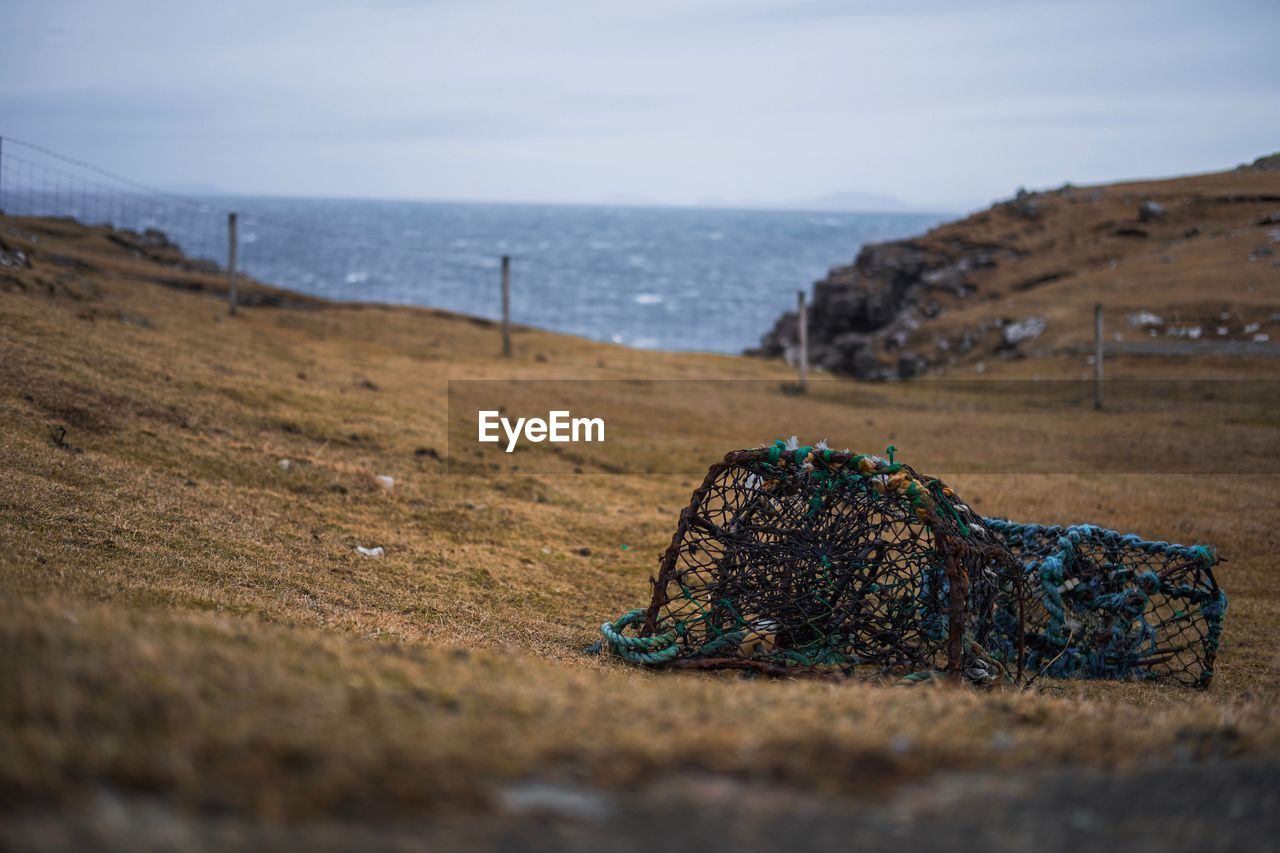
x: 506, y: 305
x: 231, y: 264
x: 802, y: 318
x: 1, y: 174
x: 1097, y: 355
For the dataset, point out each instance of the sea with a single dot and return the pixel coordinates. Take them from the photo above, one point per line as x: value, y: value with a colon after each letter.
x: 666, y: 278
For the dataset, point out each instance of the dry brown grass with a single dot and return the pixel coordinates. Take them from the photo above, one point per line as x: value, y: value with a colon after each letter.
x: 1211, y: 254
x: 181, y: 615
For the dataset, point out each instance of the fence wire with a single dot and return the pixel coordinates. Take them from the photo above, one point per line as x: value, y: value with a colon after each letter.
x: 651, y: 278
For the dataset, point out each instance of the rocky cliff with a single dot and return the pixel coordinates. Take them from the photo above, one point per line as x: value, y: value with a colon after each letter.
x: 1184, y: 258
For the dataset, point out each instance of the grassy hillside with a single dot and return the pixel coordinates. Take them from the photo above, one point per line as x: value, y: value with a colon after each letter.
x: 1207, y: 259
x: 1182, y: 265
x: 183, y: 615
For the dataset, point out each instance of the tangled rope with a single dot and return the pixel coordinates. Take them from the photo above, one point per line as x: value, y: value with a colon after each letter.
x: 647, y: 650
x: 1112, y: 605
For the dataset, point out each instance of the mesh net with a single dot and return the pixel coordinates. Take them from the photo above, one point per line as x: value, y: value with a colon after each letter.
x: 1102, y: 604
x: 792, y: 560
x: 816, y: 559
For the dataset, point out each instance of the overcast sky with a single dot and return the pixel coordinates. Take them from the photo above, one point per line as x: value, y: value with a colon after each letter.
x: 946, y: 106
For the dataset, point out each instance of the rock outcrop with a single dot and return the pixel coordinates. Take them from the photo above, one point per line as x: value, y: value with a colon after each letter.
x: 863, y: 315
x: 1021, y: 278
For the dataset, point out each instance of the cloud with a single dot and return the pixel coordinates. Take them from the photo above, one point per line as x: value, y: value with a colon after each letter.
x: 933, y: 102
x: 92, y: 105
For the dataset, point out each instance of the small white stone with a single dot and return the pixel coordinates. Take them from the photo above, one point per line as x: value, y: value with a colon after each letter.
x: 550, y: 799
x: 387, y: 483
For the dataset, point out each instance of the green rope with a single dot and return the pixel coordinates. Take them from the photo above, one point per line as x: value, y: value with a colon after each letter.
x: 646, y: 650
x: 775, y: 452
x: 942, y: 501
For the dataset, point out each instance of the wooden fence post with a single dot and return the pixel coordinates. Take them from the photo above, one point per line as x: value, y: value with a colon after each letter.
x: 506, y: 305
x: 802, y: 318
x: 1097, y: 355
x: 231, y: 264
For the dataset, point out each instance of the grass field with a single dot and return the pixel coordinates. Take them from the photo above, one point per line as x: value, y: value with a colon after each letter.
x: 184, y: 618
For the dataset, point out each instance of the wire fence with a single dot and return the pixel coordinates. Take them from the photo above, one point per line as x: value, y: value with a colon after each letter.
x: 31, y: 187
x: 678, y: 279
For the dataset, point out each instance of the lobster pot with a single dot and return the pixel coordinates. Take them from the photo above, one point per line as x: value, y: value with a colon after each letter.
x: 1100, y: 604
x: 803, y: 557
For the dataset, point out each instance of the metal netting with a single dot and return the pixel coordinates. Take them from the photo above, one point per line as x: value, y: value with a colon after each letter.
x: 806, y: 560
x: 1101, y: 604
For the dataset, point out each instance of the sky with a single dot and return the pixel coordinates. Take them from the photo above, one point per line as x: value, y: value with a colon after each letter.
x: 943, y: 104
